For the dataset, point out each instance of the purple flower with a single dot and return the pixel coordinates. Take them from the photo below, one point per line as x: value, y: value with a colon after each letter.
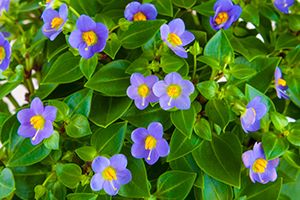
x: 280, y: 84
x: 175, y: 36
x: 283, y: 5
x: 174, y: 92
x: 149, y: 143
x: 5, y: 52
x: 225, y: 14
x: 49, y: 3
x: 36, y: 121
x: 4, y: 5
x: 135, y: 11
x: 255, y: 110
x: 110, y: 174
x: 90, y: 37
x: 261, y: 170
x: 140, y: 90
x: 54, y: 21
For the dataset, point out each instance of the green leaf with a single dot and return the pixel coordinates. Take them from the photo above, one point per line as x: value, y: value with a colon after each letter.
x: 210, y: 61
x: 208, y: 89
x: 184, y: 120
x: 63, y: 109
x: 184, y: 3
x: 7, y: 183
x: 142, y: 118
x: 250, y: 14
x: 138, y: 186
x: 285, y: 41
x: 259, y: 191
x: 279, y: 120
x: 170, y: 63
x: 6, y: 88
x: 39, y: 191
x: 205, y: 8
x: 180, y: 145
x: 219, y: 48
x: 65, y: 69
x: 78, y: 126
x: 174, y: 185
x: 241, y: 71
x: 80, y: 196
x: 83, y: 8
x: 202, y: 129
x: 80, y: 102
x: 86, y: 153
x: 221, y: 158
x: 216, y: 190
x: 27, y: 154
x: 53, y: 141
x: 111, y: 79
x: 88, y: 66
x: 68, y: 174
x: 294, y: 134
x: 106, y: 110
x: 139, y: 33
x: 294, y: 89
x: 292, y: 158
x: 139, y: 65
x: 218, y: 112
x: 293, y: 57
x: 250, y: 47
x: 109, y: 140
x: 113, y: 45
x: 164, y: 7
x: 251, y: 93
x: 274, y: 146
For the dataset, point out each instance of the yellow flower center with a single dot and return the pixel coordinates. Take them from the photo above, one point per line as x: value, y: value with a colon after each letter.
x: 260, y: 165
x: 56, y: 22
x: 174, y: 39
x: 150, y: 142
x: 221, y: 18
x: 48, y: 1
x: 2, y: 54
x: 143, y: 90
x: 109, y: 174
x: 174, y: 91
x: 37, y: 122
x: 90, y: 38
x: 281, y: 82
x: 139, y: 17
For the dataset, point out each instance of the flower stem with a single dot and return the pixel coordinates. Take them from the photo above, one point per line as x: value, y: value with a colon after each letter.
x: 195, y: 66
x: 30, y: 85
x: 13, y: 100
x: 74, y: 11
x: 48, y: 178
x: 287, y: 103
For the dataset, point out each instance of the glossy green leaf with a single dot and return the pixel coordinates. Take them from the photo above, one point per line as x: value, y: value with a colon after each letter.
x: 170, y: 63
x: 111, y: 79
x: 106, y: 110
x: 139, y: 33
x: 184, y: 3
x: 208, y: 89
x: 109, y: 140
x: 86, y: 153
x: 53, y: 141
x: 63, y: 109
x: 274, y: 146
x: 219, y: 48
x: 279, y: 120
x: 250, y: 14
x: 68, y: 174
x: 210, y: 61
x: 80, y: 196
x: 83, y: 8
x: 88, y: 66
x: 65, y: 69
x: 181, y: 145
x: 294, y: 134
x: 241, y: 71
x: 139, y: 65
x: 164, y: 7
x: 113, y: 45
x: 78, y: 126
x: 184, y: 120
x: 221, y: 159
x: 286, y: 40
x: 7, y: 183
x: 174, y: 185
x: 205, y: 8
x: 27, y: 154
x: 203, y: 130
x: 214, y: 189
x: 292, y: 158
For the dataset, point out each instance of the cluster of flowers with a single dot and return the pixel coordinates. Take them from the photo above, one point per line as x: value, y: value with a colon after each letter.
x: 171, y: 92
x: 90, y: 37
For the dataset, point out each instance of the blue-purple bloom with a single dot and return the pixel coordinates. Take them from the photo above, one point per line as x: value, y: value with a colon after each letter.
x: 136, y: 11
x: 5, y: 52
x: 261, y: 170
x: 280, y: 84
x: 140, y: 90
x: 36, y: 121
x: 225, y: 14
x: 252, y: 115
x: 110, y: 174
x: 49, y: 3
x: 174, y: 91
x: 176, y: 37
x: 54, y: 21
x: 4, y: 5
x: 89, y: 37
x: 149, y: 143
x: 283, y: 5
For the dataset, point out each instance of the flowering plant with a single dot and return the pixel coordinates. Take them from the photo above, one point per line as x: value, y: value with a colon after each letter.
x: 152, y: 99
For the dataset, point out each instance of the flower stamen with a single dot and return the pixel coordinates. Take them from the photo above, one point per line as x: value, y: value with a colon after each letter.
x: 221, y: 18
x: 139, y: 16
